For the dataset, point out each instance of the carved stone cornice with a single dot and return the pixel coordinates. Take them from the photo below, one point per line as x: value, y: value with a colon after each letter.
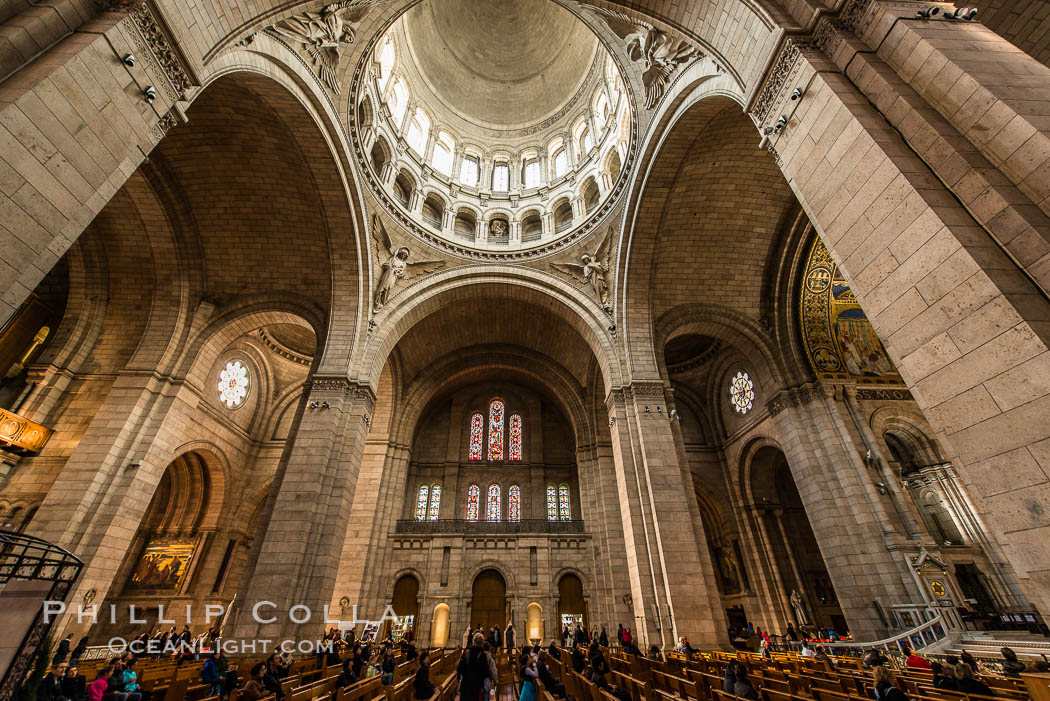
x: 792, y: 397
x: 153, y: 47
x: 929, y: 475
x: 329, y: 384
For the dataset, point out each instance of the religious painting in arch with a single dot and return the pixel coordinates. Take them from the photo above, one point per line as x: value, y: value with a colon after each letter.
x: 163, y: 565
x: 840, y: 342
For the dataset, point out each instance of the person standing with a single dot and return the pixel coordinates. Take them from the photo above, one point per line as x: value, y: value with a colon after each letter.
x: 473, y: 670
x: 509, y: 638
x: 603, y: 639
x: 421, y: 686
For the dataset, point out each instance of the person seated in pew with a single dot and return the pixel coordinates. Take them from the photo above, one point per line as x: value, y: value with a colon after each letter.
x: 874, y: 658
x: 346, y: 674
x: 599, y: 670
x: 822, y: 656
x: 74, y: 686
x: 254, y: 689
x: 210, y: 674
x: 1012, y: 667
x: 944, y: 676
x: 970, y: 660
x: 655, y: 653
x: 549, y: 682
x: 579, y: 662
x: 553, y: 651
x: 886, y: 686
x: 684, y: 647
x: 743, y: 687
x: 1037, y: 667
x: 914, y: 660
x: 969, y: 684
x: 272, y: 676
x: 421, y: 686
x: 729, y: 681
x: 99, y: 689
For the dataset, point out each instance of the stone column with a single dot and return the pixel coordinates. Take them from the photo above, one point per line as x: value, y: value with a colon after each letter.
x: 844, y: 510
x: 668, y: 561
x: 309, y: 510
x: 926, y: 187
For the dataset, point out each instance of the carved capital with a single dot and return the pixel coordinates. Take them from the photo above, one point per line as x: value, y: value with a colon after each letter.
x: 154, y: 48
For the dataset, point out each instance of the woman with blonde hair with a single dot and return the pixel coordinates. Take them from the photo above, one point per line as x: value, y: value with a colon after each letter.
x: 886, y: 686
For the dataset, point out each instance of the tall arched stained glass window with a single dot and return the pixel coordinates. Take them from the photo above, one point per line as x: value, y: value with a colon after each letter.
x: 421, y: 502
x: 514, y: 450
x: 492, y: 510
x: 496, y: 430
x: 514, y: 503
x: 563, y: 502
x: 552, y: 503
x: 435, y: 502
x: 473, y: 497
x: 477, y: 433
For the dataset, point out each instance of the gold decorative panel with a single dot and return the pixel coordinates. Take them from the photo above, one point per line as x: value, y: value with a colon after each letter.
x: 163, y: 566
x: 21, y: 434
x: 840, y: 341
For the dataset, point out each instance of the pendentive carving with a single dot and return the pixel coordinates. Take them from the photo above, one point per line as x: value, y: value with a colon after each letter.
x: 323, y: 35
x: 394, y: 262
x: 593, y: 268
x: 660, y: 54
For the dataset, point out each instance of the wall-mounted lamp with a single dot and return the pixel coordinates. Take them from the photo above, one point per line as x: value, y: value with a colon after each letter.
x: 315, y: 405
x: 928, y: 12
x: 966, y: 13
x: 796, y: 94
x: 150, y: 93
x: 674, y: 415
x: 129, y: 60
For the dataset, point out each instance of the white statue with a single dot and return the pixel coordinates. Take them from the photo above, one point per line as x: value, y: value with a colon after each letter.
x: 324, y: 34
x: 593, y: 268
x: 661, y: 54
x: 395, y: 263
x: 800, y: 607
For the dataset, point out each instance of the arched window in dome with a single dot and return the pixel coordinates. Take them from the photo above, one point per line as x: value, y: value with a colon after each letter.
x: 590, y: 195
x: 561, y: 163
x: 500, y: 176
x: 470, y: 170
x: 421, y: 502
x: 443, y: 148
x: 492, y: 508
x: 530, y: 171
x: 552, y: 503
x: 465, y: 225
x: 514, y: 452
x: 435, y: 502
x: 562, y: 216
x: 433, y: 210
x: 496, y: 429
x: 564, y: 511
x: 418, y: 132
x: 601, y: 107
x: 473, y: 497
x: 398, y: 102
x: 531, y: 227
x: 477, y: 432
x: 386, y: 57
x: 514, y: 504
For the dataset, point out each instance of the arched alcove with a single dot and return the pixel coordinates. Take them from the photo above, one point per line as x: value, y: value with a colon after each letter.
x: 488, y: 600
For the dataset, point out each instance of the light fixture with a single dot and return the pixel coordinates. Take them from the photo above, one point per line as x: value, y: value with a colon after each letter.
x: 129, y: 60
x: 326, y: 405
x: 796, y: 94
x: 315, y: 405
x: 646, y: 408
x: 150, y: 93
x: 928, y: 12
x: 966, y: 13
x: 782, y: 122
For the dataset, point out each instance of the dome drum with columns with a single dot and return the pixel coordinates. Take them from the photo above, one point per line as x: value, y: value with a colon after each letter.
x: 680, y: 317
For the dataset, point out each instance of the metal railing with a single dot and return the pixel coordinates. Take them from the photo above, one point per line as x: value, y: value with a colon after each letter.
x: 458, y: 526
x: 920, y: 637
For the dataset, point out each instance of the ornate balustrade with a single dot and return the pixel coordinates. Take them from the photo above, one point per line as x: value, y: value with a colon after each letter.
x: 464, y: 527
x: 19, y: 434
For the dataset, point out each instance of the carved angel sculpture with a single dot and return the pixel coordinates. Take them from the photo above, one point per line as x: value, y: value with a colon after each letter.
x: 592, y: 268
x: 324, y: 34
x: 395, y: 263
x: 662, y: 54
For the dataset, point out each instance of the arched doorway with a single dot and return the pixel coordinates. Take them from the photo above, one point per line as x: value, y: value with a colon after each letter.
x: 406, y: 606
x: 488, y: 605
x: 572, y: 609
x: 440, y: 625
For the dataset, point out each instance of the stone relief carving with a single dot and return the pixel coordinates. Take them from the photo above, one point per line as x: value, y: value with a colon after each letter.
x: 593, y: 268
x: 323, y: 35
x: 394, y: 262
x: 153, y: 46
x: 660, y: 54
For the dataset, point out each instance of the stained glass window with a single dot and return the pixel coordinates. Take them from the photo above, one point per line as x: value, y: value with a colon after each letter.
x: 473, y: 497
x: 477, y: 431
x: 233, y: 384
x: 435, y: 502
x: 514, y: 503
x: 421, y: 502
x: 552, y: 503
x: 515, y: 437
x: 492, y: 511
x: 496, y: 430
x: 741, y: 393
x: 563, y: 502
